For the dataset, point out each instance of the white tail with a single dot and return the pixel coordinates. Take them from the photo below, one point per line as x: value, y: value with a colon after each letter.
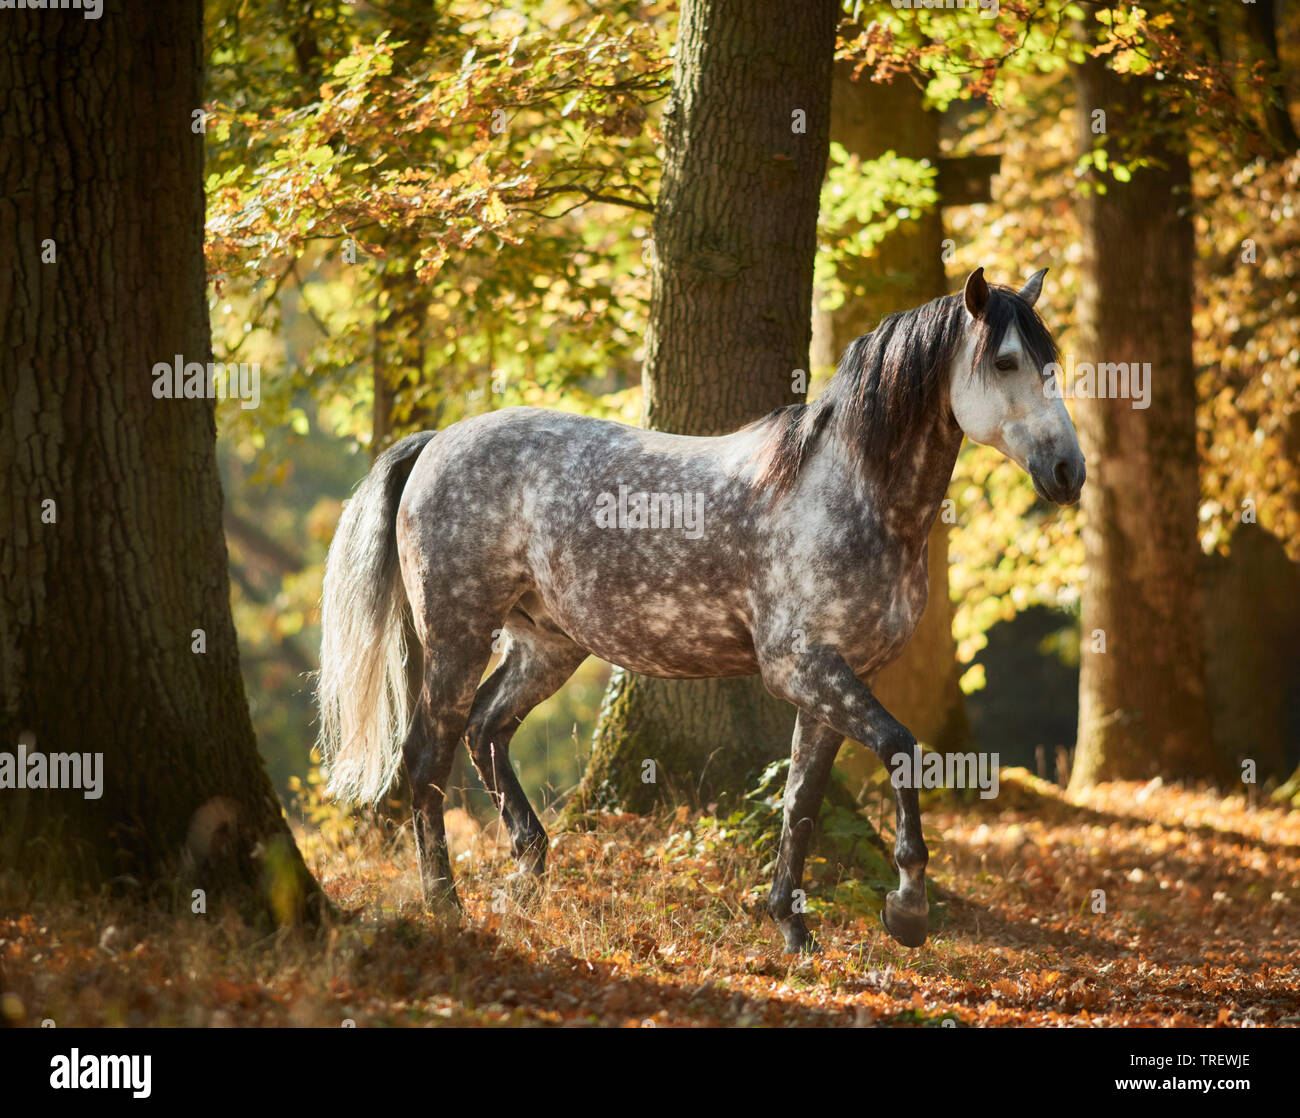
x: 362, y: 689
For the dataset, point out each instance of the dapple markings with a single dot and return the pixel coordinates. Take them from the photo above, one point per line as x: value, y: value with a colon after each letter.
x: 810, y: 571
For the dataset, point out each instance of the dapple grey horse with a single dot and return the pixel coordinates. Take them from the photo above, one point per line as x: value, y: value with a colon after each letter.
x: 794, y: 548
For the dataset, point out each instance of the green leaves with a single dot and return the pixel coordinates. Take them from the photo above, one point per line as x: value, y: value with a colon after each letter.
x: 407, y: 197
x: 861, y: 202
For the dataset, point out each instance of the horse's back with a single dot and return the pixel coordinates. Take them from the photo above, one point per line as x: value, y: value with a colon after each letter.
x: 633, y: 539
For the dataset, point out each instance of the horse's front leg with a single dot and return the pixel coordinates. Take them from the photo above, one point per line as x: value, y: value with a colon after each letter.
x: 811, y: 757
x: 824, y: 688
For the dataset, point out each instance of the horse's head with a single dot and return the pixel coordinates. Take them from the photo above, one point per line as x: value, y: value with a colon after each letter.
x: 1002, y: 389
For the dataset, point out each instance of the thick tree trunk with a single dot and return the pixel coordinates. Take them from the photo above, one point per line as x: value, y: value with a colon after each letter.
x: 1142, y: 701
x: 906, y: 270
x: 735, y: 232
x: 1252, y: 614
x: 112, y: 556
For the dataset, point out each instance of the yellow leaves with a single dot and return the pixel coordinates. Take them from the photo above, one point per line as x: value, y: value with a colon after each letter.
x: 1005, y: 555
x: 347, y: 66
x: 431, y: 259
x: 367, y: 60
x: 1248, y: 348
x: 972, y: 679
x: 493, y: 211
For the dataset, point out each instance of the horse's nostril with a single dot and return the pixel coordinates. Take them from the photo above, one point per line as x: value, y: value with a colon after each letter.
x: 1063, y: 474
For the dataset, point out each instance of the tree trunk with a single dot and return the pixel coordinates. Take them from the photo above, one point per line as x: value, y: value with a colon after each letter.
x: 906, y: 270
x: 113, y: 569
x: 1262, y: 25
x: 1252, y: 613
x: 735, y: 231
x: 1142, y: 690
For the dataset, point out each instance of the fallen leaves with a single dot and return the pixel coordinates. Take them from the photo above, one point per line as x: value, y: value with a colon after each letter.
x: 643, y: 923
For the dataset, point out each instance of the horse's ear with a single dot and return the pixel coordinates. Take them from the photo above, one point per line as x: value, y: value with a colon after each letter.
x: 976, y: 293
x: 1033, y: 287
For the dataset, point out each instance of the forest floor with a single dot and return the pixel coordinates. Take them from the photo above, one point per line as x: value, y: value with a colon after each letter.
x: 650, y: 922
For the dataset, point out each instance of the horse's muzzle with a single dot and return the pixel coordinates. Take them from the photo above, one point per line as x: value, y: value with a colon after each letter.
x: 1061, y: 481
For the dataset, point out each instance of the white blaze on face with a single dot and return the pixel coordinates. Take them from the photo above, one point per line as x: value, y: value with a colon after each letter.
x: 1011, y: 408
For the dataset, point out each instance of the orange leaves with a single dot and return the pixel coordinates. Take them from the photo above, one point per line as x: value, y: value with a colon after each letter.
x: 1006, y: 988
x: 236, y: 995
x: 640, y: 923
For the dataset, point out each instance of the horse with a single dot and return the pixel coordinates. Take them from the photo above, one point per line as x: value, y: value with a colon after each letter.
x: 806, y: 566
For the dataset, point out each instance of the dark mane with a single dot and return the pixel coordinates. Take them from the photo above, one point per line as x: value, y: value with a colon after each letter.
x: 889, y: 382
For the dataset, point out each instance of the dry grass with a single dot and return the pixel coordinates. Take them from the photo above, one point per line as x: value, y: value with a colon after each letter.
x: 648, y: 921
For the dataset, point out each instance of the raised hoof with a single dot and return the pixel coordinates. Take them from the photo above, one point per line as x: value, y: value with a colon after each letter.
x: 907, y: 928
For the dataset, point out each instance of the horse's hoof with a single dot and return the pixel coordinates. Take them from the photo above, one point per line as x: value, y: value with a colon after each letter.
x: 523, y: 884
x: 530, y: 865
x: 907, y: 928
x: 799, y: 940
x: 530, y: 855
x: 443, y: 904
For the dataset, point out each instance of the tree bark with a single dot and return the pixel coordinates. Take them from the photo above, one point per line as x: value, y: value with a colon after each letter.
x: 921, y: 687
x: 735, y: 231
x: 1142, y: 701
x: 1252, y: 613
x: 112, y: 553
x: 1262, y: 24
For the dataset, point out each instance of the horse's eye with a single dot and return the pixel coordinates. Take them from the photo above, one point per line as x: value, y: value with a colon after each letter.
x: 1005, y: 364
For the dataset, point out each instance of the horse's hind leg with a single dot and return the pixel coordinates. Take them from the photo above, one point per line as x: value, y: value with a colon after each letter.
x: 535, y: 664
x: 450, y: 674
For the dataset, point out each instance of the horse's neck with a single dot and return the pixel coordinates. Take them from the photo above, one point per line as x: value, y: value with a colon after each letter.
x: 930, y: 475
x: 908, y: 497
